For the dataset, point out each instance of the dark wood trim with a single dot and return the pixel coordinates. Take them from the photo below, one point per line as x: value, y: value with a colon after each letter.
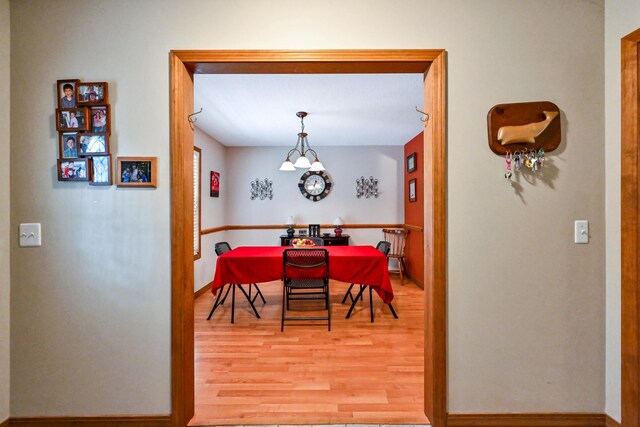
x: 322, y: 226
x: 527, y: 420
x: 199, y: 253
x: 183, y: 64
x: 103, y: 421
x: 630, y: 231
x: 5, y: 423
x: 610, y: 422
x: 202, y: 290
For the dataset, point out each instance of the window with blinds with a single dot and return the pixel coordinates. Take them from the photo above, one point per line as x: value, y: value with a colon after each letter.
x: 197, y: 177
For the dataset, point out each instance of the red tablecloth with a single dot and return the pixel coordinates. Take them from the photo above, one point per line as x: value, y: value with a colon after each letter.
x: 363, y: 265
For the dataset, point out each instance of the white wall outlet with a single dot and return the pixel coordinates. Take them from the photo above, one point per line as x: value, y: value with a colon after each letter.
x: 581, y: 231
x: 30, y: 235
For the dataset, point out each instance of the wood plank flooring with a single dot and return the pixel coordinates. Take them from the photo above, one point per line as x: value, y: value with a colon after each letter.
x: 250, y: 373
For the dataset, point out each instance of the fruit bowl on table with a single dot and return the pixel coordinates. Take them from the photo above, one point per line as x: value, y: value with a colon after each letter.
x: 302, y: 243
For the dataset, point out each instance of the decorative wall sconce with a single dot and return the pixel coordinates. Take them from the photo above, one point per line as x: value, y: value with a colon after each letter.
x: 261, y: 189
x: 366, y: 187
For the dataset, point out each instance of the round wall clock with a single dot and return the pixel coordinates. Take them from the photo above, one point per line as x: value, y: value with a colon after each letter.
x: 315, y: 185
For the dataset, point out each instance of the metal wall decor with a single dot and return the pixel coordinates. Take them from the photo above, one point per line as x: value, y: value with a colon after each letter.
x: 261, y: 189
x: 366, y: 187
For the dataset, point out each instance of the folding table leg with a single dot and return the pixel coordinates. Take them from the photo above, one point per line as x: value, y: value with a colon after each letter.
x: 348, y: 294
x: 353, y: 304
x: 392, y: 311
x: 233, y: 302
x: 371, y: 303
x: 219, y: 300
x: 258, y: 293
x: 249, y: 299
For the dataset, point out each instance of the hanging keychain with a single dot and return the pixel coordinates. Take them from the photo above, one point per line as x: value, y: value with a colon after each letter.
x: 508, y: 159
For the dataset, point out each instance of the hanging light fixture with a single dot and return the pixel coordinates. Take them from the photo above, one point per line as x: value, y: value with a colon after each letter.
x: 303, y: 149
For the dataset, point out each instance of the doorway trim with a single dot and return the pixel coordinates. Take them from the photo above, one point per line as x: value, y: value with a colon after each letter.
x: 630, y: 232
x: 183, y: 64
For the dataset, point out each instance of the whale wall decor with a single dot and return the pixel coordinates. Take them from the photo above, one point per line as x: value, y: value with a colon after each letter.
x: 524, y: 126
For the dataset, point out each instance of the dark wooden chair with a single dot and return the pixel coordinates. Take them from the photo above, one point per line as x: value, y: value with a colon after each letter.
x: 384, y: 247
x: 306, y: 278
x: 221, y: 248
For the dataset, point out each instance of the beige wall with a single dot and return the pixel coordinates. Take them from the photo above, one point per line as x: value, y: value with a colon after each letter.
x: 90, y: 316
x: 4, y: 208
x: 621, y: 18
x: 212, y: 212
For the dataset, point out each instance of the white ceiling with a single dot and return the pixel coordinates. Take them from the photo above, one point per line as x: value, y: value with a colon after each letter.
x: 343, y: 109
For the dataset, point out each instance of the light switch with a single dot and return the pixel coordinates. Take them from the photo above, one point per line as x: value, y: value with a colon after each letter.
x: 30, y: 235
x: 581, y: 231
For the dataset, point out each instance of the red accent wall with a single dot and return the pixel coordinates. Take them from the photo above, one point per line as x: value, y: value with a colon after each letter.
x: 414, y: 211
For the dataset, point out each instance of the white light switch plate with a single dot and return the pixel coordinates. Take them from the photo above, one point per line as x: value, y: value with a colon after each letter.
x: 581, y: 231
x: 30, y: 235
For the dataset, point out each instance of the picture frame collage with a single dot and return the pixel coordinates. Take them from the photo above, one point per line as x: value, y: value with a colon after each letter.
x: 83, y: 122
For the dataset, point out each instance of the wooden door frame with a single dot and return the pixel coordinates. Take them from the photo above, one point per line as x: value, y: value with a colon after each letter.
x: 183, y: 64
x: 630, y: 233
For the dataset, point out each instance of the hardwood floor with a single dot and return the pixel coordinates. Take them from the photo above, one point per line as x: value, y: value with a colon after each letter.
x: 250, y: 373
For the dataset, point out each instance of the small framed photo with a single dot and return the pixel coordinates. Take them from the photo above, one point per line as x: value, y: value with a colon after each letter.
x: 100, y: 119
x: 68, y: 147
x: 411, y: 162
x: 137, y: 172
x: 68, y: 119
x: 215, y: 184
x: 101, y: 170
x: 412, y: 190
x: 93, y: 144
x: 92, y: 93
x: 73, y: 170
x: 67, y: 93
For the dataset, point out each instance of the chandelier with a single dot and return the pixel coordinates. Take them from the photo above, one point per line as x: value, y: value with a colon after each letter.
x: 302, y: 148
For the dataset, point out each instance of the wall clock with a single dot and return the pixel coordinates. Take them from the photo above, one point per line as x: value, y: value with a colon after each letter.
x: 315, y: 185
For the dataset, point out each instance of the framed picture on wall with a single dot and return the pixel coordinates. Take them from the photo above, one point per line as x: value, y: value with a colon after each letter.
x: 68, y: 145
x: 411, y: 162
x: 73, y: 170
x: 71, y: 119
x: 93, y: 144
x: 67, y: 93
x: 101, y: 170
x: 137, y: 172
x: 92, y: 93
x: 412, y: 190
x: 215, y: 184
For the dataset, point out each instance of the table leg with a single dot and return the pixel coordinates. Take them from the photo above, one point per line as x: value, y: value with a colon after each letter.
x: 353, y: 304
x: 248, y: 295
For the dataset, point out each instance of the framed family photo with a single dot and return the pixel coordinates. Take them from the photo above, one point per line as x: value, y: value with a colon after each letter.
x: 411, y: 162
x: 73, y: 170
x: 71, y: 119
x: 137, y: 172
x: 101, y: 170
x: 68, y: 146
x: 412, y: 190
x: 93, y: 144
x: 67, y: 93
x: 92, y: 93
x: 100, y: 119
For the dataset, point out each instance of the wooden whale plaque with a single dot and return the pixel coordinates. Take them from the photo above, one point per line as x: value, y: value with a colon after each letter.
x: 524, y: 126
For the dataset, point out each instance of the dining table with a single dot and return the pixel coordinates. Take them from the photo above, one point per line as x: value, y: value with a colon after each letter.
x: 363, y: 265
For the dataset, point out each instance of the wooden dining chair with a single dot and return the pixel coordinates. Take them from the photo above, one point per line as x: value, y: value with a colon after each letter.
x: 384, y: 247
x: 306, y: 278
x: 221, y: 248
x: 398, y: 240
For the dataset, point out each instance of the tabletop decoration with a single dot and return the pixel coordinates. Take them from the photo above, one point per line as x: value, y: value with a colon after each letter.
x: 303, y: 243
